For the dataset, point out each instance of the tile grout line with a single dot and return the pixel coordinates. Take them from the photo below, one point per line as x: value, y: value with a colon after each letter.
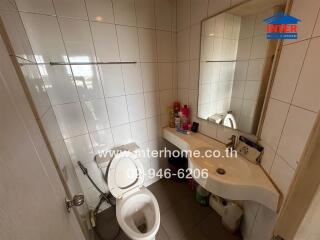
x: 99, y: 75
x: 74, y: 81
x: 290, y: 105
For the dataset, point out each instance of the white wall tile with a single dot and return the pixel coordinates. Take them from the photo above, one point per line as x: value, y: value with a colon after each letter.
x: 100, y: 10
x: 199, y: 9
x: 59, y: 84
x: 112, y: 82
x: 153, y: 126
x: 165, y: 75
x: 36, y: 6
x: 255, y: 69
x: 92, y: 197
x: 282, y: 174
x: 151, y: 100
x: 306, y: 11
x: 252, y: 89
x: 295, y: 134
x: 244, y: 49
x: 292, y: 57
x: 183, y: 74
x: 122, y: 134
x: 267, y: 157
x: 307, y: 91
x: 164, y: 47
x: 217, y: 6
x: 95, y: 113
x: 247, y: 26
x: 316, y: 31
x: 132, y: 78
x: 163, y: 14
x: 37, y: 88
x: 194, y: 75
x: 166, y: 100
x: 195, y: 41
x: 87, y: 81
x: 105, y: 41
x: 183, y: 14
x: 174, y: 15
x: 193, y: 102
x: 117, y: 110
x: 51, y: 126
x: 71, y: 8
x: 128, y: 43
x: 70, y: 119
x: 78, y: 41
x: 95, y: 174
x: 219, y: 25
x: 274, y: 121
x: 238, y: 89
x: 44, y: 36
x: 80, y: 149
x: 139, y: 131
x: 8, y: 6
x: 102, y: 140
x: 124, y: 12
x: 183, y: 96
x: 149, y: 76
x: 241, y: 70
x: 174, y: 46
x: 136, y: 107
x: 145, y: 13
x: 17, y: 34
x: 147, y: 45
x: 183, y: 45
x: 259, y: 47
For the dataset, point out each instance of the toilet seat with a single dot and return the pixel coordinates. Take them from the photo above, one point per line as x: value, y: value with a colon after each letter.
x: 125, y: 174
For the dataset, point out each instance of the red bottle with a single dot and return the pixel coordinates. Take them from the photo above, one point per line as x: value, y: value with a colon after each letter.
x: 185, y: 117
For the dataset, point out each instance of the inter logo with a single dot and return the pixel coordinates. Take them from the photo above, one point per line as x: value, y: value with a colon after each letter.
x: 282, y: 26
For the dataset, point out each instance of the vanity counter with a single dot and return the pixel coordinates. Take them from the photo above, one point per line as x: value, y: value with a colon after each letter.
x: 238, y: 179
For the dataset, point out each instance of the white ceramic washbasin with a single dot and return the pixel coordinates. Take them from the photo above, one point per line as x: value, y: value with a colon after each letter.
x: 242, y: 180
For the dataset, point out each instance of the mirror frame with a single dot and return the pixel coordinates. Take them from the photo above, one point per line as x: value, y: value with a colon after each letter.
x: 274, y: 65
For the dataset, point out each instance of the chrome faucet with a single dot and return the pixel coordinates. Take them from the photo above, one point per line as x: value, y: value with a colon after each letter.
x: 232, y: 144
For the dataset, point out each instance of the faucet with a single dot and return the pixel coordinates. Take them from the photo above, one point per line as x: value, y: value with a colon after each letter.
x: 232, y: 144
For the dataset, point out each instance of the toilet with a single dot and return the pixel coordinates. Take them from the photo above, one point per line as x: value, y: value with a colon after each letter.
x: 137, y: 209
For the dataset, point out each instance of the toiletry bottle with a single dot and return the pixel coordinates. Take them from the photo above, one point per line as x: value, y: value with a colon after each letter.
x: 176, y: 107
x: 177, y: 121
x: 171, y: 118
x: 185, y: 117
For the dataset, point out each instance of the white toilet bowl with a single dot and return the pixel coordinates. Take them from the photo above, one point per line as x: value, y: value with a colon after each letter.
x: 137, y: 209
x: 138, y: 215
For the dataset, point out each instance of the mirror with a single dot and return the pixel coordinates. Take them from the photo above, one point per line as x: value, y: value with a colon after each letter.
x: 235, y: 65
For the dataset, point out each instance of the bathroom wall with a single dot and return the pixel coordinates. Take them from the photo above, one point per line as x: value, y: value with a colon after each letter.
x: 292, y: 108
x: 220, y: 37
x: 101, y: 106
x: 24, y: 54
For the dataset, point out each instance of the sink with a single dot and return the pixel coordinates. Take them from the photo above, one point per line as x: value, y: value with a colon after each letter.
x: 233, y: 178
